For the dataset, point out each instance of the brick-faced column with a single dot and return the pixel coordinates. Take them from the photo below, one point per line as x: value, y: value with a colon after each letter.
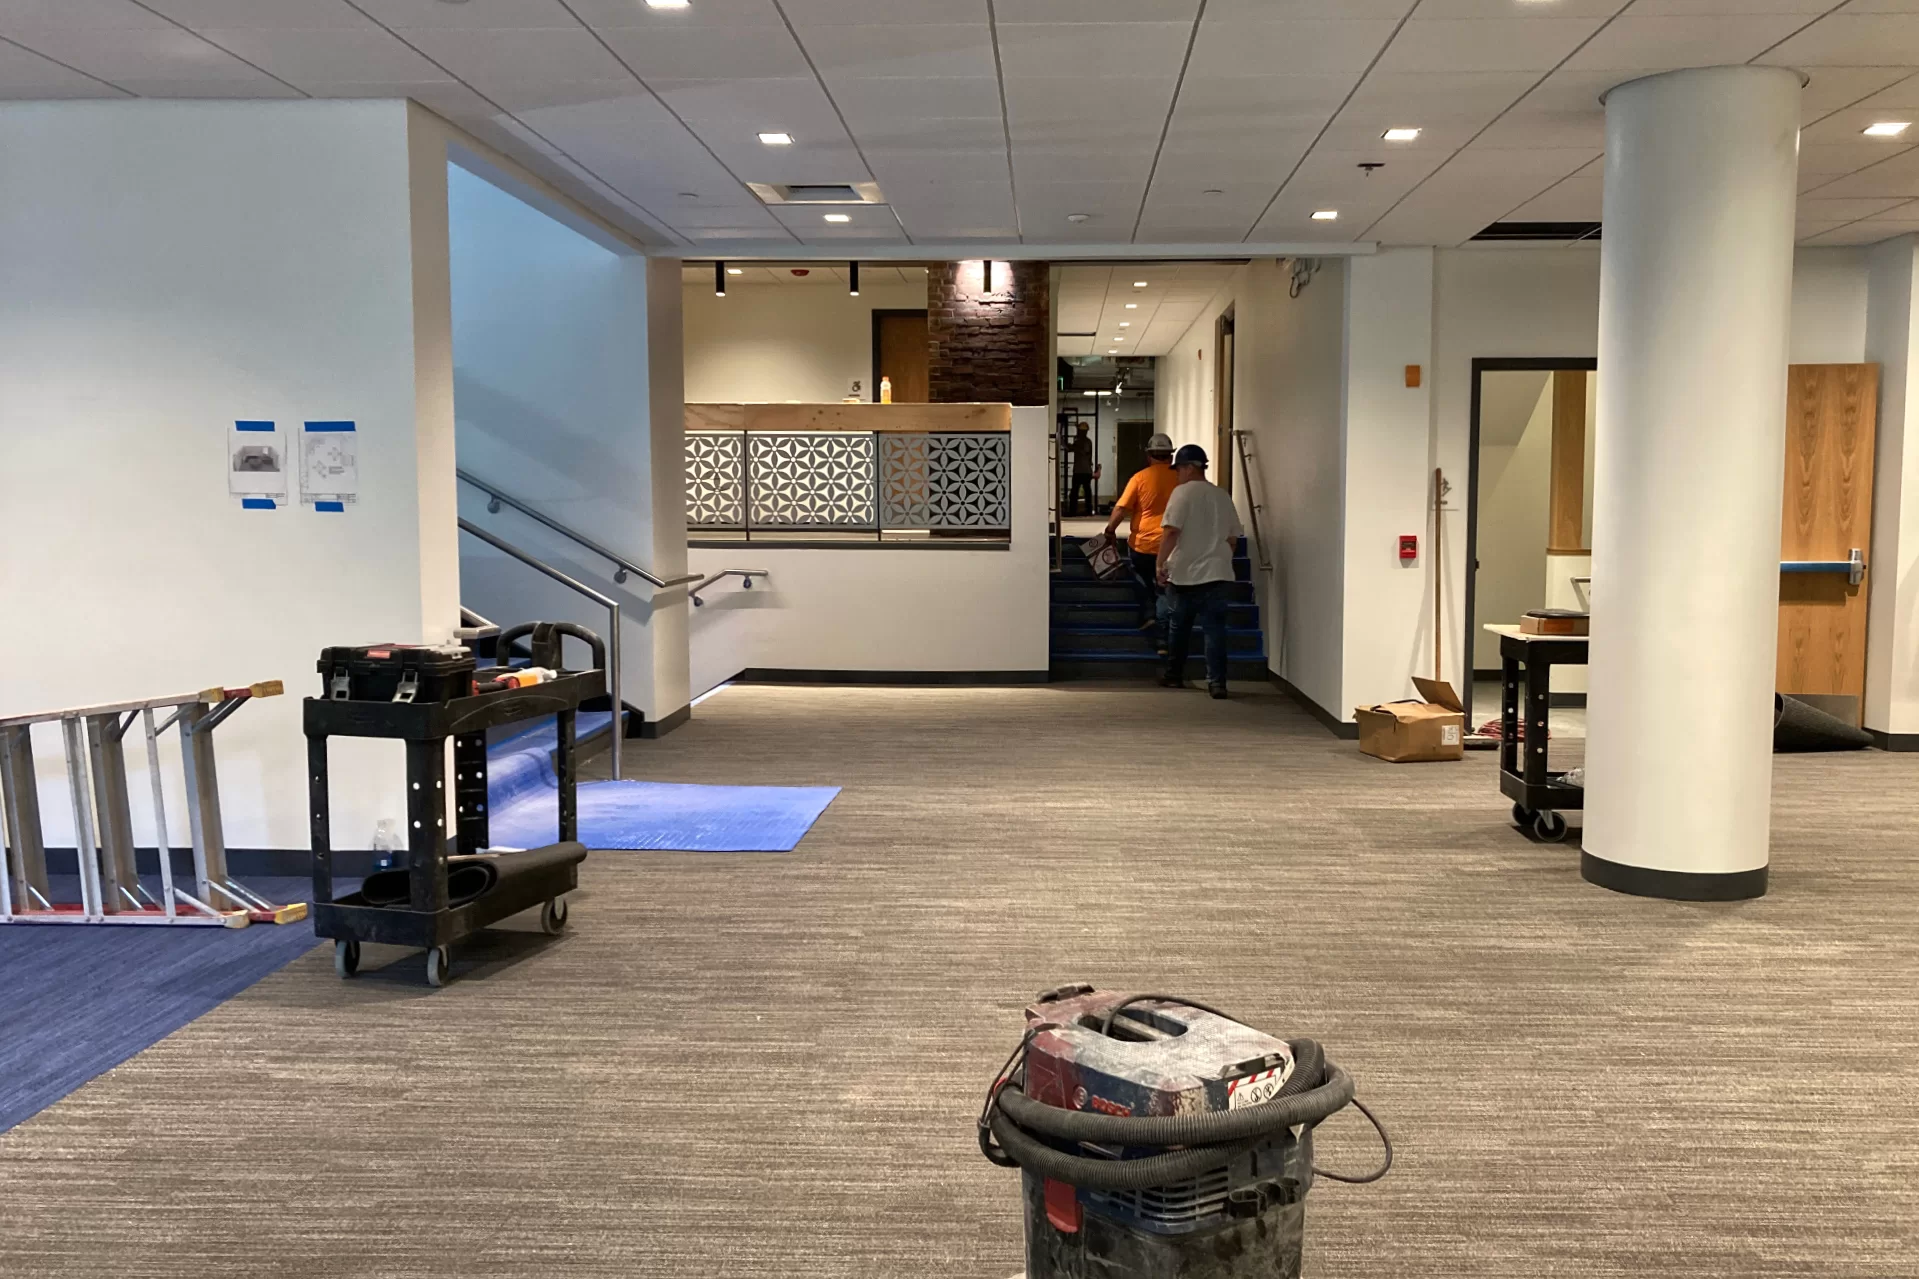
x: 988, y: 347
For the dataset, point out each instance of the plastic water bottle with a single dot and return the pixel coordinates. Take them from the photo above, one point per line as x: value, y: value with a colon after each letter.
x: 383, y: 844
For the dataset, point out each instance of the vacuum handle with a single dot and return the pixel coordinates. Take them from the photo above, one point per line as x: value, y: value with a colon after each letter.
x: 504, y: 644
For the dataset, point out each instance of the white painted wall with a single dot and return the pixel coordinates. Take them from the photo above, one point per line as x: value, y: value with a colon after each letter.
x: 553, y: 394
x: 165, y: 269
x: 1892, y: 624
x: 846, y: 609
x: 1515, y: 482
x: 772, y: 342
x: 1389, y: 480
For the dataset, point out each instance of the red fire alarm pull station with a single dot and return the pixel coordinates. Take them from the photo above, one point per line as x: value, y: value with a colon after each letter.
x: 1408, y: 547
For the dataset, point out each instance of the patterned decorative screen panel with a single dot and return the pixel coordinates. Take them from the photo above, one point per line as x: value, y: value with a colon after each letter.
x: 946, y: 481
x: 715, y: 479
x: 821, y: 479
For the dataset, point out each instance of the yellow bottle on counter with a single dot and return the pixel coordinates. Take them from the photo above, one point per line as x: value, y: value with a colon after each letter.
x: 886, y: 390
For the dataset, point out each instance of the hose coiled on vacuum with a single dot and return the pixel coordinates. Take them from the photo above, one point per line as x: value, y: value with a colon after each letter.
x: 1013, y: 1126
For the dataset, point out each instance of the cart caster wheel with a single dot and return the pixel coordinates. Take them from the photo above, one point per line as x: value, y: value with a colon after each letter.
x: 346, y: 958
x: 439, y: 965
x: 1550, y: 827
x: 1523, y: 816
x: 553, y: 916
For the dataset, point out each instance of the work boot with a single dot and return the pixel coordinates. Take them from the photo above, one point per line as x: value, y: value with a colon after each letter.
x: 1169, y: 680
x: 1218, y: 691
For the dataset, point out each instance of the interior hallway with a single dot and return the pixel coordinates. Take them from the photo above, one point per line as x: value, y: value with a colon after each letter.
x: 769, y: 1065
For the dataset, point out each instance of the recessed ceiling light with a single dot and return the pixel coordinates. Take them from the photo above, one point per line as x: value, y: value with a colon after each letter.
x: 1112, y: 350
x: 838, y: 217
x: 1887, y: 128
x: 1139, y: 284
x: 1326, y: 215
x: 1400, y: 135
x: 1119, y: 339
x: 1077, y: 218
x: 735, y: 270
x: 1132, y: 306
x: 666, y: 4
x: 1125, y: 324
x: 777, y: 139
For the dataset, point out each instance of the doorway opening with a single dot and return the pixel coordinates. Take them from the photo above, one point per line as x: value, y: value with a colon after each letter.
x: 1529, y: 515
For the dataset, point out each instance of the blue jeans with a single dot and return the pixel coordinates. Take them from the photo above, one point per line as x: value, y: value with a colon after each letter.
x: 1152, y: 602
x: 1209, y: 603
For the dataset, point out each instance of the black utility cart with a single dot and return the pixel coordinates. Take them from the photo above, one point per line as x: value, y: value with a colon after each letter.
x: 426, y: 912
x: 1539, y: 795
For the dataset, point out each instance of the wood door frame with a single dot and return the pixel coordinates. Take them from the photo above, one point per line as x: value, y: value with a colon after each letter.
x: 1223, y: 404
x: 1481, y: 365
x: 880, y: 315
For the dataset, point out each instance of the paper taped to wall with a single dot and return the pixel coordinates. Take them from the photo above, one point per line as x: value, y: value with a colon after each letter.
x: 256, y: 465
x: 329, y: 465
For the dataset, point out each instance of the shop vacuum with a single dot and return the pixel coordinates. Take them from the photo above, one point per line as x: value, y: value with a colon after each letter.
x: 1159, y: 1138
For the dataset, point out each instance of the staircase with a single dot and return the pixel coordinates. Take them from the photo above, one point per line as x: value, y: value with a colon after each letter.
x: 1095, y: 635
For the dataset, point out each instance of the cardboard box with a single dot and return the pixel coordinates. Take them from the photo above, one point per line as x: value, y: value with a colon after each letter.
x: 1411, y: 732
x: 1555, y: 621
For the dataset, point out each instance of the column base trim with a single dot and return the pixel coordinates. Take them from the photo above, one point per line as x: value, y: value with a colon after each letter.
x: 785, y: 675
x: 1342, y: 729
x: 1673, y: 885
x: 1894, y: 741
x: 651, y: 729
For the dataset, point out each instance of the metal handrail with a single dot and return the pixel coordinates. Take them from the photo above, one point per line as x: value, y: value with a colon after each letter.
x: 612, y: 607
x: 746, y: 576
x: 1249, y: 469
x: 626, y: 566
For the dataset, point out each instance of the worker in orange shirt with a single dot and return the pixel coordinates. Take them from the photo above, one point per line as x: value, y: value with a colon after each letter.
x: 1142, y: 505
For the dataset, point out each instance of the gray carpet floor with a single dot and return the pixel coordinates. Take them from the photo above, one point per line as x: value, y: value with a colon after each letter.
x: 769, y: 1064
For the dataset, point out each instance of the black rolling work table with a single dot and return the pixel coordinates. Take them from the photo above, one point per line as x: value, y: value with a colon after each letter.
x: 1539, y: 795
x: 525, y: 879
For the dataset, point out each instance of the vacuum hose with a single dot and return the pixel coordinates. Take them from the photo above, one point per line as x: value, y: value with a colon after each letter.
x: 1013, y: 1125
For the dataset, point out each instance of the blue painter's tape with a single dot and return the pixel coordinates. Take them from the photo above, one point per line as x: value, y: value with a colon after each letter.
x: 257, y: 504
x: 329, y: 426
x: 253, y: 426
x: 336, y: 508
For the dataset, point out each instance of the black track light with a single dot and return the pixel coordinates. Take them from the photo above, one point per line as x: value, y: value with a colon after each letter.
x: 719, y: 279
x: 986, y: 275
x: 853, y: 278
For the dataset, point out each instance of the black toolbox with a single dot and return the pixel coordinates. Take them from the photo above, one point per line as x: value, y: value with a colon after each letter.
x: 396, y: 673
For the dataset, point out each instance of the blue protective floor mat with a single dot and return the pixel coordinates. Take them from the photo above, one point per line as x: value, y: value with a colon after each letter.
x: 523, y: 795
x: 78, y: 1000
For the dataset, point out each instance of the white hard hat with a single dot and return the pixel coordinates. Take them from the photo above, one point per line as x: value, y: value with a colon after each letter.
x: 1160, y: 443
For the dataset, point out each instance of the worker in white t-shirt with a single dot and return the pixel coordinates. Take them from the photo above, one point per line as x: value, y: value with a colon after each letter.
x: 1198, y: 536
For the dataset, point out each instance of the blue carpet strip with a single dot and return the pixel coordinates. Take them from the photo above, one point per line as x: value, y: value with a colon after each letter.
x: 77, y: 1000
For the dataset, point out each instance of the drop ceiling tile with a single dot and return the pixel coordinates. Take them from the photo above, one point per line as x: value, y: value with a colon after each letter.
x: 932, y: 134
x: 1861, y: 233
x: 1265, y: 166
x: 1485, y: 44
x: 606, y: 14
x: 1832, y: 88
x: 1822, y: 208
x: 1544, y: 164
x: 1853, y: 39
x: 1233, y: 48
x: 1023, y: 12
x: 1263, y: 101
x: 337, y: 55
x: 1452, y: 208
x: 1648, y: 44
x: 1807, y: 9
x: 1530, y: 8
x: 886, y: 49
x: 886, y: 100
x: 1276, y: 10
x: 76, y: 15
x: 743, y: 109
x: 538, y: 95
x: 472, y: 14
x: 25, y: 75
x: 1901, y: 95
x: 898, y: 12
x: 285, y: 15
x: 1039, y: 165
x: 708, y: 53
x: 148, y: 54
x: 448, y: 98
x: 814, y: 163
x: 1547, y: 129
x: 1432, y: 97
x: 1037, y: 102
x: 1362, y: 134
x: 260, y: 86
x: 1576, y: 199
x: 1573, y: 91
x: 483, y: 56
x: 1895, y: 176
x: 1116, y: 51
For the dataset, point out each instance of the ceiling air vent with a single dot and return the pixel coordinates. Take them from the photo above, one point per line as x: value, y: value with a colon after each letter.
x: 1559, y: 231
x: 817, y: 192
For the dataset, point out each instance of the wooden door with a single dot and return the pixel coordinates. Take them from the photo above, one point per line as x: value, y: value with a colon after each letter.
x: 1831, y: 414
x: 899, y: 352
x: 1223, y: 402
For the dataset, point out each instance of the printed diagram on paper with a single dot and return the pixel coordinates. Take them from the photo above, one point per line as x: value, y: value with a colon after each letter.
x: 329, y: 462
x: 256, y: 461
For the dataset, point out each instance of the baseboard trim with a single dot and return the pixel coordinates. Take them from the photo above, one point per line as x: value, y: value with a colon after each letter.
x: 656, y: 728
x: 1565, y: 700
x: 782, y: 675
x: 1673, y: 885
x: 1332, y: 723
x: 244, y: 862
x: 1894, y: 741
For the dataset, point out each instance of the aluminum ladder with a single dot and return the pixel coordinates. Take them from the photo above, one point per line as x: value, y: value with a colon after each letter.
x: 110, y: 887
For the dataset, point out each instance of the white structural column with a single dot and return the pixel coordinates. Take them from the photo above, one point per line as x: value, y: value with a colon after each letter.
x: 1694, y: 305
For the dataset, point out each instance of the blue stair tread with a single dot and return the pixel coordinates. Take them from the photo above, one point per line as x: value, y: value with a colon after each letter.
x: 586, y: 724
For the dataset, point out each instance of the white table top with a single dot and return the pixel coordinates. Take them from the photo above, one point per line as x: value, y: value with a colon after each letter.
x: 1512, y: 629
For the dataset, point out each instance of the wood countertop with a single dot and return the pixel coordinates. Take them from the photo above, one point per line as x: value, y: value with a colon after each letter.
x: 849, y: 417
